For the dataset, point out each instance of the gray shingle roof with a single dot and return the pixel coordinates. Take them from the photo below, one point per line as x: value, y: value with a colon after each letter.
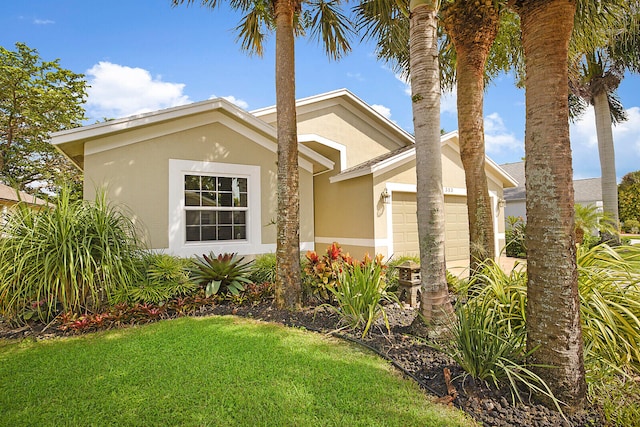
x: 586, y: 190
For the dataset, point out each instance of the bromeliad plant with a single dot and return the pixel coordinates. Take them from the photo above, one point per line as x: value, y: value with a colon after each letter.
x: 224, y: 272
x: 360, y: 293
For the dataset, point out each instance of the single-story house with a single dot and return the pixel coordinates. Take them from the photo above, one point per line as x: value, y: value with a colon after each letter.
x: 202, y: 177
x: 586, y: 192
x: 10, y: 197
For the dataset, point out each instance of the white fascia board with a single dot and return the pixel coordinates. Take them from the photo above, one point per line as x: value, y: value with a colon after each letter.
x: 318, y: 158
x: 328, y: 143
x: 394, y: 162
x: 125, y: 123
x: 335, y: 96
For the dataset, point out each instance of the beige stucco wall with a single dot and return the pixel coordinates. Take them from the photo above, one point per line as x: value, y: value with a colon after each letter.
x: 137, y: 174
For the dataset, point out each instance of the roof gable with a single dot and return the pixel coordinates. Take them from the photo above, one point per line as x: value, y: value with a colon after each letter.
x: 72, y: 142
x: 406, y: 154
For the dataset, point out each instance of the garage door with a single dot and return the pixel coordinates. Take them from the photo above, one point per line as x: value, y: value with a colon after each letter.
x: 405, y: 227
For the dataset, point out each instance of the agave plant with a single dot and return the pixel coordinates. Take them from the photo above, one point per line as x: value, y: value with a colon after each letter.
x: 225, y: 271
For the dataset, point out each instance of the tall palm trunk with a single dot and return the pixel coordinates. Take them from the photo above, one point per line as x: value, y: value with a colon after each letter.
x: 288, y: 286
x: 425, y: 89
x: 609, y: 181
x: 473, y: 31
x: 553, y: 308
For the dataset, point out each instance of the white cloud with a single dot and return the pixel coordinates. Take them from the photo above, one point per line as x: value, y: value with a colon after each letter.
x: 235, y: 101
x: 356, y: 76
x: 384, y: 111
x: 584, y: 144
x: 43, y: 21
x: 405, y: 81
x: 499, y: 141
x: 448, y: 102
x: 118, y: 91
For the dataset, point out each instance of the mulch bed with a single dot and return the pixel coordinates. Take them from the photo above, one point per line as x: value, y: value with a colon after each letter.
x: 433, y: 370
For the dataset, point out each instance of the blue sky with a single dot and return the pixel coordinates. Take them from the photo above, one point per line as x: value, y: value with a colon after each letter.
x: 144, y: 55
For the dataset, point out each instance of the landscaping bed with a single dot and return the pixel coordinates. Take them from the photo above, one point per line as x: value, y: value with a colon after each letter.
x: 412, y: 355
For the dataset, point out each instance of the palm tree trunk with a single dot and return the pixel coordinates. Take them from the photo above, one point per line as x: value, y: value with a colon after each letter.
x: 553, y: 308
x: 609, y: 180
x: 425, y: 89
x: 473, y: 32
x: 288, y: 286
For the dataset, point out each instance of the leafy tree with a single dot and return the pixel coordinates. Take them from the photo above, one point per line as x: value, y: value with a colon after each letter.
x: 597, y: 72
x: 629, y: 197
x: 37, y: 97
x: 324, y: 21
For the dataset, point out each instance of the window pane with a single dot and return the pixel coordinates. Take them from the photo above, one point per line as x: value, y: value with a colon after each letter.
x: 239, y: 218
x: 208, y: 217
x: 208, y: 198
x: 239, y: 232
x: 191, y: 198
x: 209, y: 183
x: 224, y: 184
x: 209, y: 233
x: 225, y: 217
x: 242, y: 202
x: 193, y: 218
x: 242, y: 184
x: 225, y: 233
x: 224, y: 199
x: 191, y: 182
x: 193, y: 234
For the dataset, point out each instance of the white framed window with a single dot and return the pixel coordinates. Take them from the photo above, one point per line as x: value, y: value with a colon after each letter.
x: 213, y: 207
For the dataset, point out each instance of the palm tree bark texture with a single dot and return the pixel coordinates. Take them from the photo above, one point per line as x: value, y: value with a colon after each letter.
x: 288, y: 287
x: 553, y: 308
x: 425, y: 88
x: 473, y: 30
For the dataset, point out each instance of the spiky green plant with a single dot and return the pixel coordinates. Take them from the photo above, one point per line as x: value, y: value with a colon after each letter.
x: 223, y: 272
x: 74, y: 257
x: 161, y: 277
x: 491, y: 351
x: 264, y: 269
x: 359, y: 294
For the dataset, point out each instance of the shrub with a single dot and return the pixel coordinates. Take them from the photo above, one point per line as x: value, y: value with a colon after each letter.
x: 74, y: 257
x: 320, y: 273
x: 264, y: 269
x: 515, y: 237
x: 489, y: 351
x: 361, y: 289
x: 161, y: 277
x: 225, y: 272
x: 631, y: 226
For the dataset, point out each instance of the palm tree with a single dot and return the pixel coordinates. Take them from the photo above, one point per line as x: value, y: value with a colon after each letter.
x: 388, y: 22
x: 596, y: 76
x: 473, y: 30
x: 553, y: 316
x: 325, y: 22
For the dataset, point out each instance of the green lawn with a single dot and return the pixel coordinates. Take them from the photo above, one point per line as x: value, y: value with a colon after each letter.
x: 207, y: 372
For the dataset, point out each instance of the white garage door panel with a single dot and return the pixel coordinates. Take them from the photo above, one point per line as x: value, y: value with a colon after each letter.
x: 405, y: 227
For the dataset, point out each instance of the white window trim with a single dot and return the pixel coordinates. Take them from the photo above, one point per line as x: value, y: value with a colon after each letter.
x: 178, y: 244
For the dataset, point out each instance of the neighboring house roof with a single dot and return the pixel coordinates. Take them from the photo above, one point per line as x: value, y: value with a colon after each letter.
x: 8, y: 194
x: 406, y: 154
x: 72, y: 141
x: 587, y: 190
x: 347, y: 99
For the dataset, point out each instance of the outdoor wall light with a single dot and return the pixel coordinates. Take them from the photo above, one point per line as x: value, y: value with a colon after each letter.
x: 502, y: 203
x: 385, y: 197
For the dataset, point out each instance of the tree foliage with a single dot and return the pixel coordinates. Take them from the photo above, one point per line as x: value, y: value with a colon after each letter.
x: 629, y: 197
x: 36, y: 98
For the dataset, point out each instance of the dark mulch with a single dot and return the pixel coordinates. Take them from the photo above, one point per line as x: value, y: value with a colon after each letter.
x: 412, y: 355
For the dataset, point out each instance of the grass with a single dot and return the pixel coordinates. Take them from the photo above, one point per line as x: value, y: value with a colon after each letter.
x: 207, y: 372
